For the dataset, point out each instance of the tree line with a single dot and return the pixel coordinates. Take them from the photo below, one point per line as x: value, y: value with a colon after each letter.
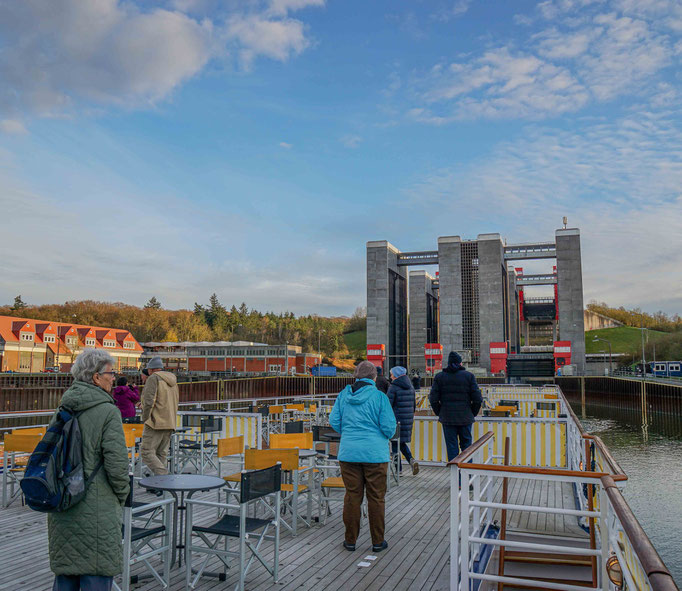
x: 637, y: 318
x: 211, y: 321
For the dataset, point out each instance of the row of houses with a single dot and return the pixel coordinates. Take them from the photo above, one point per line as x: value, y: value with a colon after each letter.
x: 29, y: 345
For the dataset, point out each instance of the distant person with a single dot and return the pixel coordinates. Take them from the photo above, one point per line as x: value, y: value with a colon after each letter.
x: 126, y: 396
x: 381, y: 382
x: 85, y: 540
x: 455, y: 399
x: 363, y: 416
x: 160, y: 398
x: 402, y: 399
x: 416, y: 380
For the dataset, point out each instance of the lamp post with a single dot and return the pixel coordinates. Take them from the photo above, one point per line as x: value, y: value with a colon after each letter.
x: 610, y: 352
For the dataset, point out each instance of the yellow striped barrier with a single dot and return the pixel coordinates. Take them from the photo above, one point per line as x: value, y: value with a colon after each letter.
x: 234, y: 424
x: 534, y: 442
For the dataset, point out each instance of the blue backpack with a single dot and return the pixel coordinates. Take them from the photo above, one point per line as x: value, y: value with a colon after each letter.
x: 54, y: 479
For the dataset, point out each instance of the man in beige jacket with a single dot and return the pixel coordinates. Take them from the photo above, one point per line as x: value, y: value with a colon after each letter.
x: 160, y: 398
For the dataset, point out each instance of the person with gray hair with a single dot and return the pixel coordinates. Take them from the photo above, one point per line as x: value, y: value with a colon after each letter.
x: 160, y: 399
x: 85, y: 540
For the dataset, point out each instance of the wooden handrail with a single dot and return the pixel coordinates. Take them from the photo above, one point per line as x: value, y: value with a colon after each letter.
x: 610, y: 460
x: 654, y: 567
x: 525, y: 470
x: 472, y: 449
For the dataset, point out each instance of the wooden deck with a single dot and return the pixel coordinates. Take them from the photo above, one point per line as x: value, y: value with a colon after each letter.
x: 417, y: 530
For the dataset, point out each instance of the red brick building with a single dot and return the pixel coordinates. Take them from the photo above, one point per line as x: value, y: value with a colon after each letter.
x: 246, y: 357
x: 28, y: 345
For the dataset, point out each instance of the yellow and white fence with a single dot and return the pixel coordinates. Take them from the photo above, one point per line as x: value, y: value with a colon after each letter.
x: 233, y: 424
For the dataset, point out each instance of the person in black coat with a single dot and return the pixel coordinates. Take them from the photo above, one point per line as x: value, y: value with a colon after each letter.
x: 456, y: 399
x: 402, y: 399
x: 382, y: 383
x: 416, y: 379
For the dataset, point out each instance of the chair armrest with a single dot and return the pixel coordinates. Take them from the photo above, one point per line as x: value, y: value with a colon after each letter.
x: 211, y: 504
x: 146, y: 507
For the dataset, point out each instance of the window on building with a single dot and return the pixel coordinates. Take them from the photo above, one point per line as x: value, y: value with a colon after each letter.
x: 27, y: 336
x: 89, y: 342
x: 128, y: 345
x: 71, y: 341
x: 49, y: 338
x: 109, y: 343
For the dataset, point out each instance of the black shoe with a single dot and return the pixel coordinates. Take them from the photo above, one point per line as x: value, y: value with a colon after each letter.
x: 349, y: 547
x: 380, y: 547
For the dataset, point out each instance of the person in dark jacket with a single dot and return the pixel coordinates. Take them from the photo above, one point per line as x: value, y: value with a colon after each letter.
x: 456, y: 399
x: 416, y: 379
x: 125, y: 398
x: 382, y: 383
x: 402, y: 399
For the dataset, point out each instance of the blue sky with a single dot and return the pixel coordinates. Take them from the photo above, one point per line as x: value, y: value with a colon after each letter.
x: 251, y: 148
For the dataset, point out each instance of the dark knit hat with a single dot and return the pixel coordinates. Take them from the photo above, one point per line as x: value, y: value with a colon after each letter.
x: 366, y: 370
x: 454, y: 358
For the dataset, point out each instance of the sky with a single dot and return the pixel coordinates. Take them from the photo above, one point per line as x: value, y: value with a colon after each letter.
x: 251, y: 148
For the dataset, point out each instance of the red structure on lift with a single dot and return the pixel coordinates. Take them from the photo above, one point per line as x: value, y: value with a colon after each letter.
x: 376, y: 354
x: 498, y: 357
x: 562, y: 354
x: 433, y: 353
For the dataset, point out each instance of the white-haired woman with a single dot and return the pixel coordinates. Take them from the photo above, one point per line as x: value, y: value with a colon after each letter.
x: 85, y: 541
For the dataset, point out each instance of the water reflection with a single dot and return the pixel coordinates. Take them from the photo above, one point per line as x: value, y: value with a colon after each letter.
x: 652, y: 459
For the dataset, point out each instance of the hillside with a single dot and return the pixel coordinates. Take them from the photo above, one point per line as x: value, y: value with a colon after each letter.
x: 623, y: 339
x: 356, y: 342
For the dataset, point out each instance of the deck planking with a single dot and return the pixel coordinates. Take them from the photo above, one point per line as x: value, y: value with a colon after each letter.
x: 417, y: 530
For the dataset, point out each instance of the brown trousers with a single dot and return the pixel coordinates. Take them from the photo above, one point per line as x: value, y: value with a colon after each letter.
x: 154, y: 449
x: 358, y: 478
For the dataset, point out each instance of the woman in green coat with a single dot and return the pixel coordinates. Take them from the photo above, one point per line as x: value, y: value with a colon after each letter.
x: 85, y: 541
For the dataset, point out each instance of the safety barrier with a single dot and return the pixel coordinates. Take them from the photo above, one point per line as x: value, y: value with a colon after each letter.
x: 233, y: 424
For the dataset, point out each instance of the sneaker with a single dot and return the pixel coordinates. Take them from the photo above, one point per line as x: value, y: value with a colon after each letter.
x: 349, y: 547
x: 415, y: 467
x: 380, y: 547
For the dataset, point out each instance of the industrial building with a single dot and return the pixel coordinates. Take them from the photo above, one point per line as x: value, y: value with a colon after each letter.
x: 239, y: 357
x: 28, y: 345
x: 478, y: 302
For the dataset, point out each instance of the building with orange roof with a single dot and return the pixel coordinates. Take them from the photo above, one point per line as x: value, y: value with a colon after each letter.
x: 28, y: 345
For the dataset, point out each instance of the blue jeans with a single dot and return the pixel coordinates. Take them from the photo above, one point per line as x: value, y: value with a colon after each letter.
x: 82, y: 583
x: 454, y: 432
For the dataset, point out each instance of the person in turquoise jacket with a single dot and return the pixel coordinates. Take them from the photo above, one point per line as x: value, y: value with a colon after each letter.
x: 363, y: 416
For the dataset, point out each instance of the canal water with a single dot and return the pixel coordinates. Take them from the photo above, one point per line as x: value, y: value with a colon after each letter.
x: 652, y: 458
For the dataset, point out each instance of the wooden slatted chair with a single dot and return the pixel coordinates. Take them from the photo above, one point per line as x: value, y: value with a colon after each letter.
x: 256, y: 459
x: 291, y: 440
x: 17, y: 450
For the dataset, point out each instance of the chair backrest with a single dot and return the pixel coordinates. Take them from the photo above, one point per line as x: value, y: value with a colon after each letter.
x: 257, y: 459
x: 211, y: 424
x: 130, y: 438
x: 312, y: 408
x: 21, y: 443
x: 276, y: 409
x: 129, y: 498
x: 500, y: 413
x: 134, y: 428
x: 300, y: 407
x: 30, y: 431
x: 258, y: 483
x: 191, y: 420
x: 264, y: 410
x: 509, y: 403
x: 230, y: 446
x: 293, y: 427
x: 319, y: 431
x: 289, y: 440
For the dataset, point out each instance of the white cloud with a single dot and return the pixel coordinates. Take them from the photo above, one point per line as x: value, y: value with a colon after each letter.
x: 102, y: 51
x: 61, y: 57
x: 283, y: 7
x: 501, y: 84
x: 258, y: 35
x: 351, y: 141
x: 12, y: 126
x: 455, y: 10
x: 593, y: 51
x: 285, y: 145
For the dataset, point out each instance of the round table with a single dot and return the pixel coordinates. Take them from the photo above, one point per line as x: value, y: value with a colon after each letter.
x: 184, y: 485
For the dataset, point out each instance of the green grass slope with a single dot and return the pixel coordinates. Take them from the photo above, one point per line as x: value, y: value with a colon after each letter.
x: 356, y: 342
x: 623, y: 339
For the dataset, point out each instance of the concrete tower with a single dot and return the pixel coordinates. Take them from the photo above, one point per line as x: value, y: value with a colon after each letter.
x: 570, y: 293
x: 450, y: 293
x: 423, y: 308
